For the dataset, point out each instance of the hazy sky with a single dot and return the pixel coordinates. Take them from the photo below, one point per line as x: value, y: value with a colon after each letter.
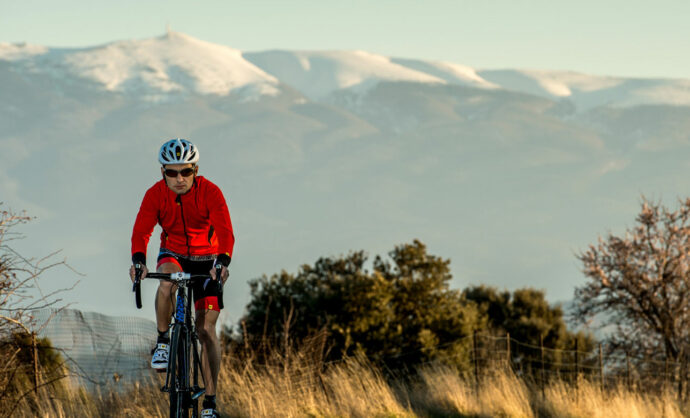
x: 612, y: 37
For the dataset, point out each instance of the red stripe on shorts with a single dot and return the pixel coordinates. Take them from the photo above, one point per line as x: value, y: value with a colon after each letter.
x: 168, y: 260
x: 209, y: 303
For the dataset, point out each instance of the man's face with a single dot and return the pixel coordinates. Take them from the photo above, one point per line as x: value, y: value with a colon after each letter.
x: 175, y: 178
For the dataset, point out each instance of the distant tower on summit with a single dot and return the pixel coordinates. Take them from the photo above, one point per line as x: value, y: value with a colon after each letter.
x: 168, y: 31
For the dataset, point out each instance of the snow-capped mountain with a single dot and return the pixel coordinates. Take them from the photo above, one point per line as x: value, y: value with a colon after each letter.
x: 319, y: 74
x: 176, y: 63
x: 506, y: 172
x: 587, y: 91
x: 173, y: 63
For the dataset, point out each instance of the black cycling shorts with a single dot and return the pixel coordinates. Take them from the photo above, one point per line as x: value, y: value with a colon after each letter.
x: 205, y: 291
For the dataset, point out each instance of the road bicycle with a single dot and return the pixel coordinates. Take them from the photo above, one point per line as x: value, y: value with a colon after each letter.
x: 183, y: 358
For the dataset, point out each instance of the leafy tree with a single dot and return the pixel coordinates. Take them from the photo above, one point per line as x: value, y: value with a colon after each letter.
x: 402, y: 312
x: 638, y: 283
x: 434, y: 319
x: 335, y: 294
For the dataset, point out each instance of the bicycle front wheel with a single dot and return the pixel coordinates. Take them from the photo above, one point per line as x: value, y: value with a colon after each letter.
x: 176, y: 373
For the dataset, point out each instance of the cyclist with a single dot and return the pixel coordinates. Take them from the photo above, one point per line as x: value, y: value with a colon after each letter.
x: 197, y: 235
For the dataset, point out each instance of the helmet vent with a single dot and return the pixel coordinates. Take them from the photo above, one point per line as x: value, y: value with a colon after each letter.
x: 178, y: 151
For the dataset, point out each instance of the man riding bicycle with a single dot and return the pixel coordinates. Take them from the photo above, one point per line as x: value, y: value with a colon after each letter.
x: 197, y: 235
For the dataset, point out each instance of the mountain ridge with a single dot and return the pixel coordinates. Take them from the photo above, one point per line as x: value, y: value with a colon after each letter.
x: 176, y: 63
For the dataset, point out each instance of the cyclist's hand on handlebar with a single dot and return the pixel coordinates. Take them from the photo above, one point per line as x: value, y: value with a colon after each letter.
x: 223, y: 274
x: 132, y: 272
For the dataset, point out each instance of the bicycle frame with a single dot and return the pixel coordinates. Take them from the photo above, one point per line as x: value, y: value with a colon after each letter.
x: 183, y: 342
x: 183, y: 338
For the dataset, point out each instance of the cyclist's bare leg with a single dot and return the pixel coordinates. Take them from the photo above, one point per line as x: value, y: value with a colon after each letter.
x: 165, y: 297
x: 210, y: 347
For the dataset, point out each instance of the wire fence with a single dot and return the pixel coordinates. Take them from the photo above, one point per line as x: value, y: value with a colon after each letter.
x: 102, y: 351
x: 541, y: 365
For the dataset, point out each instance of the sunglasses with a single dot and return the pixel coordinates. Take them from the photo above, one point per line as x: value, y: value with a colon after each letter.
x: 185, y: 172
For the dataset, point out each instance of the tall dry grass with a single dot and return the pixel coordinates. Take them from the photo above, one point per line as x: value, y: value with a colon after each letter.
x: 354, y: 388
x: 441, y: 391
x: 590, y: 401
x: 350, y: 388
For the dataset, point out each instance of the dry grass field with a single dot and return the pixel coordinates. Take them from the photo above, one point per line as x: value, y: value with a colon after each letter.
x: 355, y: 389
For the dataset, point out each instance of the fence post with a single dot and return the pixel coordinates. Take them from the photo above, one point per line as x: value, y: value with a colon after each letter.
x: 34, y: 350
x: 681, y: 377
x: 541, y: 349
x: 678, y: 366
x: 577, y: 362
x: 666, y: 373
x: 508, y: 351
x: 684, y: 377
x: 476, y: 361
x: 627, y: 370
x: 601, y: 369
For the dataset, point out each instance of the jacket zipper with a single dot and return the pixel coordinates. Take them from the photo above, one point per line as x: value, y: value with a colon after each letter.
x: 184, y: 225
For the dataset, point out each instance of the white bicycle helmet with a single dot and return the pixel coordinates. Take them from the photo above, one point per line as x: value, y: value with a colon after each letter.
x: 178, y: 151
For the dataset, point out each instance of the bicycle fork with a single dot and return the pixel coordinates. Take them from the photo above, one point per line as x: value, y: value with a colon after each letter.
x: 183, y: 336
x: 178, y: 334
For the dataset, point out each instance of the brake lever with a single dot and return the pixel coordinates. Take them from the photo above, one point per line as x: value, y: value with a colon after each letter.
x: 137, y: 276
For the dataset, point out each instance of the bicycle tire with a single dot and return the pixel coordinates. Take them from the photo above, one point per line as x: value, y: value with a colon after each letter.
x: 176, y: 397
x: 183, y: 373
x: 194, y: 374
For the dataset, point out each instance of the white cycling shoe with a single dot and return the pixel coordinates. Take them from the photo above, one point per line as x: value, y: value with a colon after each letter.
x: 159, y: 361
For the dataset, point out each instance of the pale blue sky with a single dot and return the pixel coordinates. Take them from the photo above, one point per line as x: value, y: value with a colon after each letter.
x: 613, y: 37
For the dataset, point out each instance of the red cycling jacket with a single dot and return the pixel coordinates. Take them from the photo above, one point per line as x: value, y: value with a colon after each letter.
x: 194, y: 224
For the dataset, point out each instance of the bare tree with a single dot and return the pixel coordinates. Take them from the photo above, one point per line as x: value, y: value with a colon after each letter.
x: 638, y: 283
x: 20, y: 297
x: 10, y: 318
x: 20, y: 292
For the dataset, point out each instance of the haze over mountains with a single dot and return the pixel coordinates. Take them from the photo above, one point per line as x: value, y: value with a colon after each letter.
x: 506, y: 172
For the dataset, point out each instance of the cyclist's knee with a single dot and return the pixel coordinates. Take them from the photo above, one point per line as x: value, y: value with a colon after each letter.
x: 168, y: 268
x: 165, y: 288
